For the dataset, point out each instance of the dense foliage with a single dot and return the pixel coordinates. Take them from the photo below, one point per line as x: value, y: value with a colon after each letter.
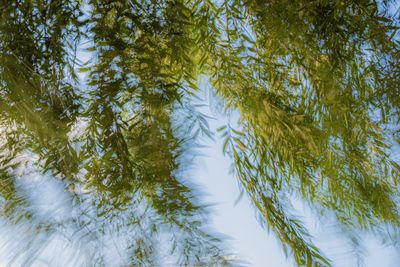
x: 315, y: 84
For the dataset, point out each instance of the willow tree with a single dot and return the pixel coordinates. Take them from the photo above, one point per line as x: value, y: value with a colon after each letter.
x: 315, y: 84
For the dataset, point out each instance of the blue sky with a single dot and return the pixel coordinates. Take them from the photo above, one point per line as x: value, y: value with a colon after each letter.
x: 238, y: 221
x: 255, y: 244
x: 211, y: 173
x: 234, y: 219
x: 252, y: 243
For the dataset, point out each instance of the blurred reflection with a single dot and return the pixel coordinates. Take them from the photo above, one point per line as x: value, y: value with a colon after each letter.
x: 97, y: 171
x: 314, y: 84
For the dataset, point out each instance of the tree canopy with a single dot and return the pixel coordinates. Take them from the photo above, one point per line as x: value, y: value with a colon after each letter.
x: 315, y: 85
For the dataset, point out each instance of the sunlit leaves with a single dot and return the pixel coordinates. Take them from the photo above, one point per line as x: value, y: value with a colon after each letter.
x: 314, y: 83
